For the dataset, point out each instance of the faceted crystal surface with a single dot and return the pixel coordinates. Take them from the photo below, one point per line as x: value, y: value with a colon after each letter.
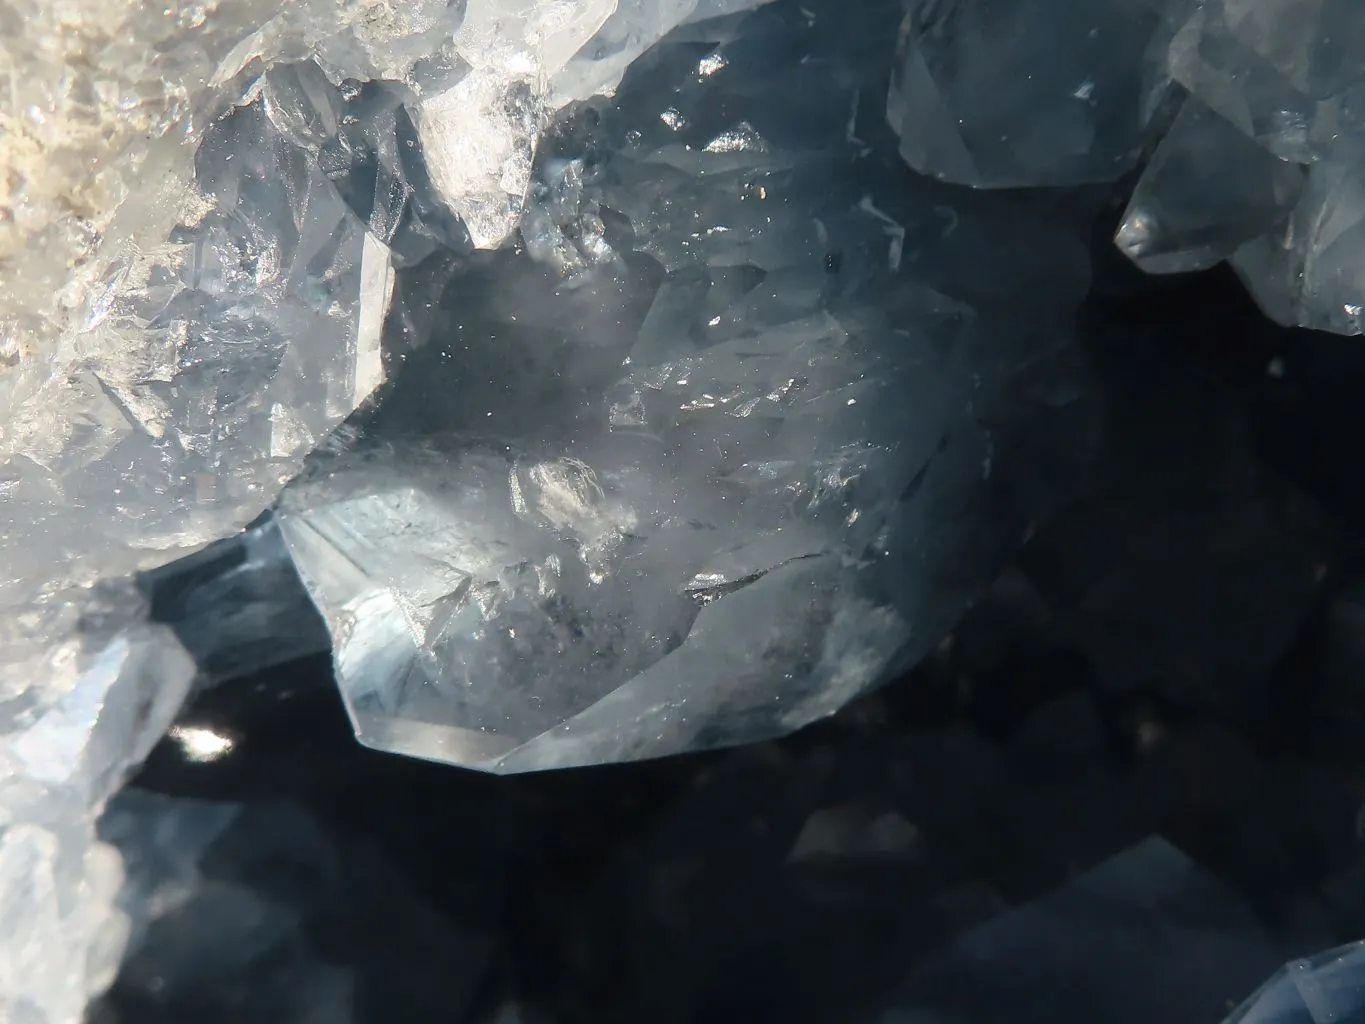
x: 202, y: 207
x: 1022, y: 92
x: 1283, y: 202
x: 206, y: 371
x: 89, y: 709
x: 1207, y: 190
x: 1320, y: 989
x: 1260, y: 167
x: 730, y: 437
x: 237, y: 606
x: 236, y: 249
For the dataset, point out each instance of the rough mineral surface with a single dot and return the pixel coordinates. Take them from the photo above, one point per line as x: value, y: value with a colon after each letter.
x: 95, y: 704
x: 732, y: 436
x: 201, y: 209
x: 1023, y: 92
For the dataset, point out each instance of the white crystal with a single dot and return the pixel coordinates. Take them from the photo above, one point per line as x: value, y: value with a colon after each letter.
x: 98, y: 702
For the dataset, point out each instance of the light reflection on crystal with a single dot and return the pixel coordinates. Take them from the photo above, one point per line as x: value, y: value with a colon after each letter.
x: 201, y: 744
x: 675, y: 492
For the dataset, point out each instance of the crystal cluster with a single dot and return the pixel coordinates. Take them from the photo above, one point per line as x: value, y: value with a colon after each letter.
x: 93, y: 707
x: 201, y: 211
x: 597, y: 423
x: 726, y: 442
x: 1258, y: 107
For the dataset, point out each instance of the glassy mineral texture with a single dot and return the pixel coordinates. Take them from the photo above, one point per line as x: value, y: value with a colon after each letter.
x: 1288, y: 77
x: 1318, y: 989
x: 201, y: 210
x: 1259, y: 166
x: 1013, y: 93
x: 734, y: 433
x: 95, y: 703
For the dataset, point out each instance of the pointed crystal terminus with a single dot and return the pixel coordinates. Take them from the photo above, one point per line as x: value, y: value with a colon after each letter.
x: 1207, y: 190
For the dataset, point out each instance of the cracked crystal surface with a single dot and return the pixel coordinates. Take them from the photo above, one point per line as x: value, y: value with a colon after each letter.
x: 726, y: 441
x: 206, y: 369
x: 1288, y: 78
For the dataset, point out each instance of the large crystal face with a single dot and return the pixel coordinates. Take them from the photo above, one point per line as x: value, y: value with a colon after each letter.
x: 1258, y: 168
x: 1018, y: 92
x: 1286, y: 210
x: 727, y: 439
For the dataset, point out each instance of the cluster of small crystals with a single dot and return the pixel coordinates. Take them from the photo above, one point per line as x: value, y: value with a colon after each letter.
x: 1249, y: 114
x: 201, y: 210
x: 734, y: 433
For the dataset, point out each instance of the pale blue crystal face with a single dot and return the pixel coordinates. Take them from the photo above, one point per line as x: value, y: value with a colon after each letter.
x: 732, y: 435
x: 1261, y: 168
x: 1014, y: 93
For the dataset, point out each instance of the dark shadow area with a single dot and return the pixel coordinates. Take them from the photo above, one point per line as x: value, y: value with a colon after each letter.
x: 1178, y: 652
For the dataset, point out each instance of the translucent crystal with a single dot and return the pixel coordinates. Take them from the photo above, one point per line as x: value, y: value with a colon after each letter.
x: 732, y: 440
x: 1321, y: 989
x: 1207, y: 190
x: 1209, y: 60
x: 1311, y: 270
x: 1020, y: 92
x: 206, y: 371
x: 257, y: 173
x: 1286, y: 211
x: 85, y: 711
x: 107, y: 104
x: 201, y: 210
